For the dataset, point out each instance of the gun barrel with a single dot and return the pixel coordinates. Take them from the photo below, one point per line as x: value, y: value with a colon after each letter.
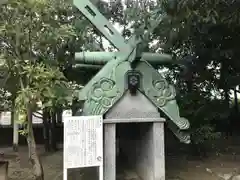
x: 156, y: 58
x: 101, y: 58
x: 97, y: 58
x: 87, y: 66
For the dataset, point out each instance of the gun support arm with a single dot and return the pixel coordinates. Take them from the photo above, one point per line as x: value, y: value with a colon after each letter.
x: 156, y: 58
x: 102, y: 24
x: 101, y: 58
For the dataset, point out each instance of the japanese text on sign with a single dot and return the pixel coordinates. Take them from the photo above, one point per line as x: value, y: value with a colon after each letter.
x: 83, y: 141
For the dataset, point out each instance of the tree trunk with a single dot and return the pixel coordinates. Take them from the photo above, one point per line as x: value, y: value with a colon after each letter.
x: 226, y: 96
x: 74, y: 107
x: 46, y: 130
x: 15, y: 134
x: 14, y: 118
x: 59, y: 115
x: 189, y: 85
x: 224, y: 82
x: 236, y: 101
x: 33, y: 156
x: 53, y: 131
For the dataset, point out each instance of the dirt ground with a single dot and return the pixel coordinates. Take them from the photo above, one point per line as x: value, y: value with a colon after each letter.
x: 178, y: 167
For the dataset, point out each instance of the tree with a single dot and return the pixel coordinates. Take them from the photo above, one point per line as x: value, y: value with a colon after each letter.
x: 32, y: 34
x: 203, y: 36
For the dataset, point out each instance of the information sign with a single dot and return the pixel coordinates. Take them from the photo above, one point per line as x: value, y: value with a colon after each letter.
x: 83, y: 143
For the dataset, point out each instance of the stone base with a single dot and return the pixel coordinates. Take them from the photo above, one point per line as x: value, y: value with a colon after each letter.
x: 144, y: 153
x: 3, y: 170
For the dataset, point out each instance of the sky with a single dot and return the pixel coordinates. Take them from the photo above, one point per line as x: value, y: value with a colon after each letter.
x: 119, y: 28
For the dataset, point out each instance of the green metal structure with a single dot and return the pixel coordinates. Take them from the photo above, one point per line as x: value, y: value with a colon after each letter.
x: 112, y: 81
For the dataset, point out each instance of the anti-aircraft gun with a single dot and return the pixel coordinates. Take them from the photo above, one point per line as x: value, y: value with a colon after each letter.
x: 129, y: 69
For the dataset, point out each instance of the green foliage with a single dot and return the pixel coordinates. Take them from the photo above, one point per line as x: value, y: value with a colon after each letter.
x: 44, y: 84
x: 203, y: 112
x: 41, y: 30
x: 204, y: 134
x: 203, y: 37
x: 35, y: 36
x: 5, y: 98
x: 39, y: 39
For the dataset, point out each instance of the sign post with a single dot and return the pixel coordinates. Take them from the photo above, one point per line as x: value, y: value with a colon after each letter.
x: 83, y: 143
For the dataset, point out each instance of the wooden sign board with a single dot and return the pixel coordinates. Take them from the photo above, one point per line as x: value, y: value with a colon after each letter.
x: 83, y: 143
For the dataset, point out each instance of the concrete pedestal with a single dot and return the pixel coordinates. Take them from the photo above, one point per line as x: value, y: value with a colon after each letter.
x: 145, y: 150
x: 145, y: 154
x: 109, y: 152
x: 3, y: 170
